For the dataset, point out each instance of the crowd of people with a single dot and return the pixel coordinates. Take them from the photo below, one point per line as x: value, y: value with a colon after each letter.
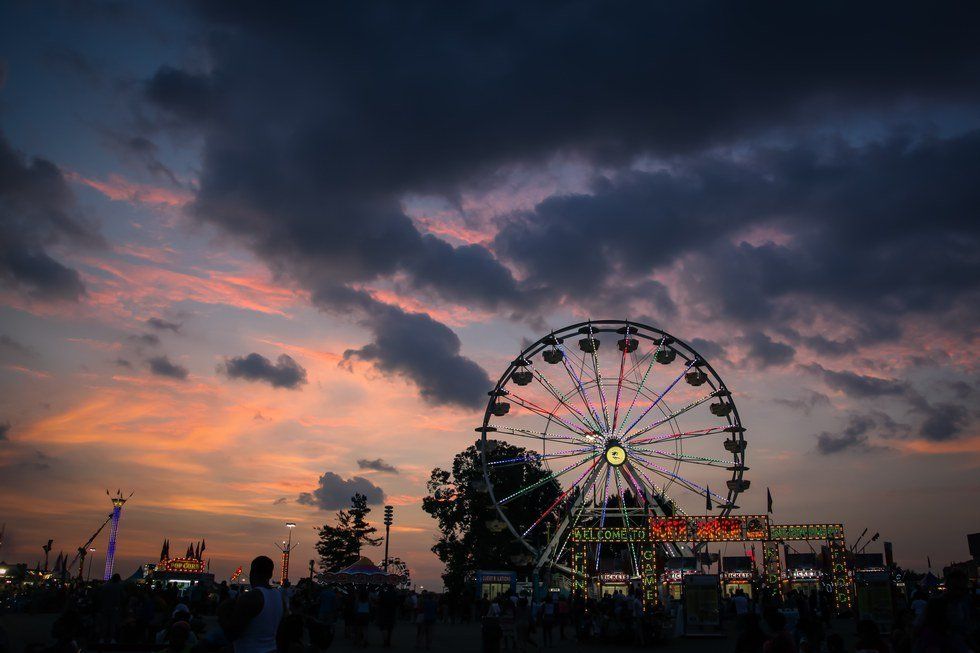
x: 260, y: 618
x: 946, y: 622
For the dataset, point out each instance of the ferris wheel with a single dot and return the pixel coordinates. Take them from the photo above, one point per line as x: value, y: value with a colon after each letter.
x: 604, y: 423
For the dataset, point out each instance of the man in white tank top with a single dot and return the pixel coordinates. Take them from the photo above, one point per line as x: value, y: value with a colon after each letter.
x: 256, y: 614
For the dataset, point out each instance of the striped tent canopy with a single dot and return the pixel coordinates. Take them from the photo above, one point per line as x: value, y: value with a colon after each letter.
x: 363, y: 572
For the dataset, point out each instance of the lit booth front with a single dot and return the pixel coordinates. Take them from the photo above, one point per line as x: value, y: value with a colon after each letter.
x: 491, y: 584
x: 737, y: 573
x: 802, y: 573
x: 611, y: 582
x: 873, y: 586
x: 675, y: 569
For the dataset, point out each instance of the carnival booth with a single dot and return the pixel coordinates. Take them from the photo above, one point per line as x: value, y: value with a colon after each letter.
x: 702, y: 608
x: 491, y: 584
x: 363, y: 572
x: 675, y: 569
x: 182, y: 571
x: 611, y: 582
x: 802, y: 573
x: 737, y: 573
x: 873, y: 587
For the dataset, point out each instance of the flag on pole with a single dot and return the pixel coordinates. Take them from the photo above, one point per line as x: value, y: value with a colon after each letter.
x: 768, y: 501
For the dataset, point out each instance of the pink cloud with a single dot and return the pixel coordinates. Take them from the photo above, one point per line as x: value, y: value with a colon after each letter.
x: 118, y: 188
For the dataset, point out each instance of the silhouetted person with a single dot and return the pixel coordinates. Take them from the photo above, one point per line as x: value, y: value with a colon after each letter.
x: 752, y: 638
x: 255, y: 615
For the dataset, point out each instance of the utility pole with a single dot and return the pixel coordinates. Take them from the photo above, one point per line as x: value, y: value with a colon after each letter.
x: 389, y: 511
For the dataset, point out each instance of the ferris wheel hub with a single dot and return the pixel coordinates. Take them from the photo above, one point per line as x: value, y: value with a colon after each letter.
x: 615, y: 453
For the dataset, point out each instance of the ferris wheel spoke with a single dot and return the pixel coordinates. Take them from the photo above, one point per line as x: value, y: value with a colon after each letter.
x: 636, y: 362
x: 547, y: 479
x: 660, y: 492
x: 598, y: 381
x: 639, y: 388
x: 543, y: 412
x: 533, y: 457
x: 547, y: 385
x: 687, y: 435
x: 619, y: 383
x: 684, y: 458
x: 536, y: 435
x: 635, y: 483
x: 580, y: 387
x: 690, y: 485
x: 602, y: 518
x: 674, y: 415
x: 562, y: 496
x: 626, y: 521
x: 578, y: 508
x: 660, y: 397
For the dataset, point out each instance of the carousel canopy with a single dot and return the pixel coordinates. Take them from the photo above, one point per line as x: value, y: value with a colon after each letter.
x: 363, y: 572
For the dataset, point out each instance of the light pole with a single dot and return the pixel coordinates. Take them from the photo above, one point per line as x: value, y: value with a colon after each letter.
x: 91, y: 550
x: 286, y: 547
x: 389, y: 511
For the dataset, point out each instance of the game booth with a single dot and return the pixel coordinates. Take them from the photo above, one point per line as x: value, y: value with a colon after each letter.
x: 611, y: 582
x: 675, y: 569
x: 803, y: 573
x: 737, y: 573
x: 874, y: 591
x: 491, y: 584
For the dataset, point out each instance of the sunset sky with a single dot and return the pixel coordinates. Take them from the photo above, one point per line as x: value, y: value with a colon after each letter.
x: 256, y: 257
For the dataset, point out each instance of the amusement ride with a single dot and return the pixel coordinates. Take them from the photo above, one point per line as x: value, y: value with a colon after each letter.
x: 630, y: 420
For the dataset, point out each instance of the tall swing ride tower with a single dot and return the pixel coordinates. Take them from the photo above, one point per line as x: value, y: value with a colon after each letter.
x: 118, y: 501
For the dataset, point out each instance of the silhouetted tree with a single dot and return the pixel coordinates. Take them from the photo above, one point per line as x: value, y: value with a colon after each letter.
x: 340, y: 545
x: 472, y: 536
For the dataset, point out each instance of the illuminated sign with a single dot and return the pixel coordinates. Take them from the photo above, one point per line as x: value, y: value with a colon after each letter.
x: 184, y: 565
x: 709, y: 529
x: 807, y: 531
x: 619, y: 534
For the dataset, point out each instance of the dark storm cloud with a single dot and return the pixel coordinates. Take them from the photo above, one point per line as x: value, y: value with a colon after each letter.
x: 147, y: 339
x: 858, y: 238
x: 71, y: 62
x: 164, y: 325
x: 710, y: 350
x: 142, y: 152
x: 764, y: 352
x: 11, y: 349
x: 859, y: 386
x: 961, y: 389
x: 941, y: 420
x: 854, y: 436
x: 334, y: 492
x: 806, y: 404
x: 284, y: 373
x: 37, y: 209
x: 162, y: 366
x: 4, y: 430
x: 416, y: 347
x: 317, y: 123
x: 377, y: 465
